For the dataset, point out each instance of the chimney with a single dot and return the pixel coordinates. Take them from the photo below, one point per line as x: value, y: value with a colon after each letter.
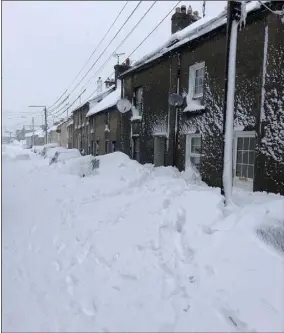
x: 182, y: 18
x: 99, y: 85
x: 109, y: 82
x: 121, y: 68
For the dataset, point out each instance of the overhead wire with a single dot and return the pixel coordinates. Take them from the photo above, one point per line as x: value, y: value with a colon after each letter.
x: 135, y: 26
x: 91, y: 54
x: 128, y: 18
x: 153, y: 30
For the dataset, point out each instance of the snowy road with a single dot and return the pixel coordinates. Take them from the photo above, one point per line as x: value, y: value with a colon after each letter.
x: 134, y: 248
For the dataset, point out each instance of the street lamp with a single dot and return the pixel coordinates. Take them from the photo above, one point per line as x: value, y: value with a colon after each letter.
x: 45, y: 117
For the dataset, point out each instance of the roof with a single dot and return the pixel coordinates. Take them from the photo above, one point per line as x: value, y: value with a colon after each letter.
x: 52, y: 128
x: 101, y: 95
x: 190, y: 33
x: 107, y: 102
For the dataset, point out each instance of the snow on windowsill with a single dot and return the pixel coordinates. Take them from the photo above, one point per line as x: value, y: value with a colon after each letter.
x: 194, y: 105
x: 135, y: 118
x: 165, y: 134
x: 239, y: 128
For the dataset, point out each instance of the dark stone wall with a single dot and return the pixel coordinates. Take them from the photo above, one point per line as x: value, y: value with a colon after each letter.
x: 160, y: 79
x: 270, y: 157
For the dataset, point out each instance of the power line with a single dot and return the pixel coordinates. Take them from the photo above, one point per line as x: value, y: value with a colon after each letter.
x: 128, y: 18
x: 58, y: 99
x: 141, y: 19
x: 91, y: 54
x: 149, y: 34
x: 155, y: 28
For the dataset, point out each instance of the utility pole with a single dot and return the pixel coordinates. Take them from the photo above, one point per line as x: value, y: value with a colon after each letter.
x: 45, y: 124
x: 233, y: 14
x: 45, y: 117
x: 33, y: 127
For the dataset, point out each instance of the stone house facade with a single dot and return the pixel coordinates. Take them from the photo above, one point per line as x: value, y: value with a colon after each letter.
x: 192, y: 64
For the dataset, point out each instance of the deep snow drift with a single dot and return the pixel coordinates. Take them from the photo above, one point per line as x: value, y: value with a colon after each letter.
x: 136, y: 248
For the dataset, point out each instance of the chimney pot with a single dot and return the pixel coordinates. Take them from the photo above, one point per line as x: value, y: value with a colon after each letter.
x: 183, y: 9
x: 189, y: 10
x: 178, y: 10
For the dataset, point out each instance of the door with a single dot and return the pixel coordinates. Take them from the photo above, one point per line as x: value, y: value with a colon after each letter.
x: 244, y: 160
x: 159, y: 150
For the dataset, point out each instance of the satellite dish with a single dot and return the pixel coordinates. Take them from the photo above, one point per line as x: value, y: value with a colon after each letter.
x: 123, y: 105
x: 175, y: 99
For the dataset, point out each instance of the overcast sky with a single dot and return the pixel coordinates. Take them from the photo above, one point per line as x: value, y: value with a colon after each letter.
x: 46, y: 43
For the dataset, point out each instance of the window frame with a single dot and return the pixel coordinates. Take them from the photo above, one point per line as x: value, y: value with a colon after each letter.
x: 189, y: 138
x: 192, y: 78
x: 237, y: 135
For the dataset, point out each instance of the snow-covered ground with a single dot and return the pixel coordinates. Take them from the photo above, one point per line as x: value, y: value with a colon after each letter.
x: 134, y: 248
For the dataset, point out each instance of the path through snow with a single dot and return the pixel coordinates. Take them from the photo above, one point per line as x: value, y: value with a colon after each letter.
x: 134, y: 248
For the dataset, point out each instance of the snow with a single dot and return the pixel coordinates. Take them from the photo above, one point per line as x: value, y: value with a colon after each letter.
x: 194, y: 105
x: 133, y: 118
x: 107, y: 102
x: 52, y: 128
x: 228, y: 149
x: 136, y: 248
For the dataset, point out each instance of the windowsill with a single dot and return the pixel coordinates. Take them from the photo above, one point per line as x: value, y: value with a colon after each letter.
x: 136, y: 118
x: 194, y: 105
x: 161, y: 134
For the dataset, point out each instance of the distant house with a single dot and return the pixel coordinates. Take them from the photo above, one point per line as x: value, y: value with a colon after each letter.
x: 62, y: 130
x: 36, y: 138
x: 191, y: 64
x: 104, y: 118
x: 52, y: 135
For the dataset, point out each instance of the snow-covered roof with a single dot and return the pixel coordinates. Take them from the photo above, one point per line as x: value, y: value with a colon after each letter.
x: 52, y: 128
x: 70, y: 122
x: 29, y: 134
x: 107, y: 102
x: 193, y: 31
x: 95, y: 99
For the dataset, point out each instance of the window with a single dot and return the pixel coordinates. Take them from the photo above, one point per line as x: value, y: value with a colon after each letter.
x: 196, y: 80
x: 138, y: 100
x: 193, y: 150
x: 245, y: 156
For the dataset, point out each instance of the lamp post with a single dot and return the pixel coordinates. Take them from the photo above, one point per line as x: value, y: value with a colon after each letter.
x: 45, y: 117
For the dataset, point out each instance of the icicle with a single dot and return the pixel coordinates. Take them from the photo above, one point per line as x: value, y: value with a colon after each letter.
x: 243, y: 14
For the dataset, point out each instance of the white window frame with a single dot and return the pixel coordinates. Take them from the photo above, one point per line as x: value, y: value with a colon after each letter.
x: 246, y: 183
x: 188, y: 153
x: 192, y: 76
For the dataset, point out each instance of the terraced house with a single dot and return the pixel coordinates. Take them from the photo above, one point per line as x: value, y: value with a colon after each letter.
x: 104, y: 118
x: 96, y: 123
x: 191, y: 64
